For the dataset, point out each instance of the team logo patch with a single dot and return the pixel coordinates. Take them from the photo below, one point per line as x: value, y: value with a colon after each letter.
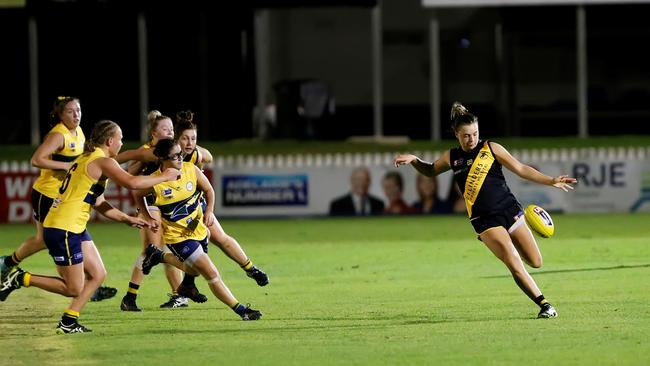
x: 469, y: 162
x: 459, y: 162
x: 167, y: 192
x: 189, y: 186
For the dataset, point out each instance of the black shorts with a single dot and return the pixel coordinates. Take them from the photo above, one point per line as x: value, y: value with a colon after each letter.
x: 40, y: 205
x: 505, y: 218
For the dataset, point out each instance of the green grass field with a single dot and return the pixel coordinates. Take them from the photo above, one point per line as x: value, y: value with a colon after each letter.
x: 387, y: 291
x: 283, y: 147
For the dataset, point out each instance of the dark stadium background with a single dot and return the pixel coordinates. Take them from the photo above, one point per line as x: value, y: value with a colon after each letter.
x: 201, y: 56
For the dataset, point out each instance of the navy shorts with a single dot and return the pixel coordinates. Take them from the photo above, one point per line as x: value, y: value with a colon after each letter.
x: 185, y: 248
x: 505, y: 218
x: 40, y: 205
x: 65, y: 246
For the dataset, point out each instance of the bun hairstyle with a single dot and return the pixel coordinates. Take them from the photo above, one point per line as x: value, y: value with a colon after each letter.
x: 102, y: 131
x: 460, y: 116
x: 184, y: 121
x: 163, y: 147
x: 154, y: 117
x: 58, y: 108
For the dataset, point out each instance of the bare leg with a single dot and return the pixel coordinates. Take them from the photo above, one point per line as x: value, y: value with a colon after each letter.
x: 232, y: 249
x: 206, y: 268
x: 95, y: 275
x: 148, y: 237
x: 70, y: 283
x: 31, y: 245
x: 498, y: 241
x: 227, y: 244
x: 526, y: 245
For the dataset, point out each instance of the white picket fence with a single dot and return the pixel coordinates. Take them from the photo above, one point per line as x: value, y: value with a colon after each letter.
x: 386, y: 158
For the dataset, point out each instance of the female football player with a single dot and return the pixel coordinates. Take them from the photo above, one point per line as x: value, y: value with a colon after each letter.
x: 493, y: 210
x: 64, y: 229
x: 62, y: 144
x: 145, y: 163
x: 185, y: 225
x: 186, y: 134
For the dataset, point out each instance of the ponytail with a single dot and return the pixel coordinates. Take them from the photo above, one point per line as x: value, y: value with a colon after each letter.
x: 460, y: 116
x: 184, y: 121
x: 154, y: 117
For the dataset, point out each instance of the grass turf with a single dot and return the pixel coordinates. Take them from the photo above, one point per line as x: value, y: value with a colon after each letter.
x: 387, y: 291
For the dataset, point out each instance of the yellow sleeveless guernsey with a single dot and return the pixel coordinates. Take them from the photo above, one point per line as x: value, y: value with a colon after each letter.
x: 180, y: 207
x: 49, y: 181
x: 76, y: 196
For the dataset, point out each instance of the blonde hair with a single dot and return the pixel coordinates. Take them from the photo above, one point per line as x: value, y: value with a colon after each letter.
x: 154, y: 117
x: 102, y: 131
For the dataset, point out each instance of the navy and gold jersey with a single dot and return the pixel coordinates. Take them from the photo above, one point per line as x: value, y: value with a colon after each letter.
x: 49, y: 181
x: 76, y: 196
x: 493, y: 194
x: 180, y: 207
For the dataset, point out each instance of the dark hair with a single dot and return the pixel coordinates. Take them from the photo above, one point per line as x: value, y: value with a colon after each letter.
x: 58, y: 108
x: 102, y: 131
x: 184, y: 121
x: 154, y: 117
x: 460, y: 116
x: 163, y: 147
x: 397, y: 177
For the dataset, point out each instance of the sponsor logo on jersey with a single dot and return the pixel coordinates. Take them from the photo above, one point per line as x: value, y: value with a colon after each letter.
x: 167, y: 193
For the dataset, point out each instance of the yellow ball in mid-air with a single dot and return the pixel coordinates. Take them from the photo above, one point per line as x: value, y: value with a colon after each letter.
x: 539, y: 221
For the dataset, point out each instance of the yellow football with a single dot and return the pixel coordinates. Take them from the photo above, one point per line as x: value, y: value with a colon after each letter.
x: 539, y: 221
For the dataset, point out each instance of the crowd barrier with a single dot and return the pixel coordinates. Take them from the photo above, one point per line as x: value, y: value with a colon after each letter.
x: 610, y: 180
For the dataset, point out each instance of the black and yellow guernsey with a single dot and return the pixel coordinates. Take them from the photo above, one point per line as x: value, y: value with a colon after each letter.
x: 480, y: 178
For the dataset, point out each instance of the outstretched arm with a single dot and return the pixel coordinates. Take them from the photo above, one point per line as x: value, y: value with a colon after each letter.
x: 139, y: 154
x: 424, y: 167
x: 107, y: 210
x: 112, y: 170
x: 562, y: 182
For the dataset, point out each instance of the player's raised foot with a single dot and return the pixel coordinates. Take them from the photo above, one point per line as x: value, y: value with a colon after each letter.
x: 547, y: 311
x: 175, y: 301
x: 258, y: 275
x: 191, y: 293
x: 4, y: 269
x: 128, y: 304
x: 103, y: 293
x: 250, y: 314
x: 10, y: 281
x: 71, y: 328
x: 152, y: 256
